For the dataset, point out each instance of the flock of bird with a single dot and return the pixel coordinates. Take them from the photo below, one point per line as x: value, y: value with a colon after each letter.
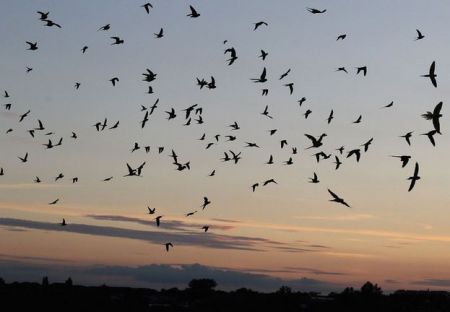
x: 194, y: 112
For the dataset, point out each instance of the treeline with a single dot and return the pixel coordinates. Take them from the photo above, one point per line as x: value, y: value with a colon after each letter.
x: 201, y: 295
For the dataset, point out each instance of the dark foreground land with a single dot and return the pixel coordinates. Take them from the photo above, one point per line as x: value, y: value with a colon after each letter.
x: 201, y: 296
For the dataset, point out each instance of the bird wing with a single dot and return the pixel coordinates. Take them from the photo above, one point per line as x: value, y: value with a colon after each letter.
x: 333, y: 194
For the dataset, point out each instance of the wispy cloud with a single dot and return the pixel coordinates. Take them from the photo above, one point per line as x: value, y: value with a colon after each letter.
x: 157, y: 236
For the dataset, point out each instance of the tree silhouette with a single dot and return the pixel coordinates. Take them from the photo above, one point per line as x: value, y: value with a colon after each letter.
x: 371, y: 290
x: 202, y: 285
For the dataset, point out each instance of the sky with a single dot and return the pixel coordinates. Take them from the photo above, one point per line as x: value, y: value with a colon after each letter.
x: 287, y: 233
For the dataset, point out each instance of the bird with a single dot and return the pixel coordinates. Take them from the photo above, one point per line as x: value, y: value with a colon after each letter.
x: 262, y: 77
x: 337, y: 162
x: 37, y: 180
x: 301, y: 101
x: 355, y: 152
x: 266, y: 112
x: 366, y: 145
x: 254, y: 186
x: 24, y: 159
x: 212, y: 173
x: 236, y: 157
x: 434, y: 117
x: 233, y: 56
x: 22, y: 117
x: 168, y: 245
x: 147, y: 7
x: 269, y: 181
x: 407, y: 137
x: 342, y: 69
x: 29, y: 69
x: 404, y: 159
x: 158, y: 220
x: 194, y: 13
x: 315, y: 142
x: 191, y: 213
x: 290, y: 86
x: 419, y: 35
x: 32, y: 46
x: 431, y: 74
x: 160, y: 34
x: 6, y: 94
x: 107, y: 179
x: 63, y: 223
x: 362, y: 69
x: 341, y: 37
x: 415, y: 177
x: 117, y: 40
x: 330, y: 117
x: 74, y: 180
x: 258, y: 24
x: 289, y: 161
x: 314, y: 179
x: 59, y: 177
x: 115, y: 125
x: 151, y: 210
x: 171, y: 114
x: 270, y: 162
x: 316, y: 11
x: 114, y: 80
x: 307, y: 113
x: 285, y: 74
x: 337, y: 199
x: 340, y: 149
x: 144, y: 121
x: 263, y: 55
x: 54, y: 202
x: 43, y: 15
x: 205, y: 228
x: 2, y: 172
x: 51, y: 23
x: 212, y: 84
x: 358, y: 120
x: 106, y: 27
x: 234, y: 126
x: 77, y: 85
x: 83, y: 50
x: 149, y: 75
x: 206, y: 202
x: 430, y: 135
x: 389, y: 105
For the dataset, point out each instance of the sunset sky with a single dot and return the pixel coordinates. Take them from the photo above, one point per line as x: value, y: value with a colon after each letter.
x: 282, y: 234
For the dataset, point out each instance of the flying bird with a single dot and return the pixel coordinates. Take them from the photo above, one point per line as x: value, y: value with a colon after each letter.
x: 147, y: 7
x: 407, y: 137
x: 316, y: 11
x: 434, y: 117
x: 262, y: 77
x: 337, y: 199
x: 258, y: 24
x: 404, y: 159
x: 193, y: 13
x: 32, y: 46
x: 431, y: 74
x: 419, y: 35
x: 414, y: 177
x: 160, y: 34
x: 117, y: 40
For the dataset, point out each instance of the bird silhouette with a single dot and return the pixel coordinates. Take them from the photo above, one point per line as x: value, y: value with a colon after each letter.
x: 114, y: 80
x: 205, y: 228
x: 341, y: 37
x: 315, y: 142
x: 263, y: 55
x: 43, y: 15
x: 430, y: 135
x: 415, y: 177
x: 84, y: 49
x: 258, y: 24
x: 366, y: 145
x: 158, y: 220
x: 54, y: 202
x: 24, y: 159
x: 356, y: 152
x: 32, y: 46
x: 434, y: 117
x: 419, y: 35
x: 151, y: 210
x: 63, y: 223
x: 160, y: 34
x: 342, y: 69
x: 316, y: 11
x: 362, y: 69
x: 106, y: 27
x: 314, y: 179
x: 206, y: 202
x: 337, y: 162
x: 254, y: 186
x: 285, y: 74
x: 147, y: 7
x: 404, y: 159
x: 269, y: 181
x: 407, y: 137
x: 337, y: 199
x: 233, y: 56
x: 193, y: 13
x: 431, y: 74
x: 168, y: 245
x: 117, y: 40
x: 262, y: 77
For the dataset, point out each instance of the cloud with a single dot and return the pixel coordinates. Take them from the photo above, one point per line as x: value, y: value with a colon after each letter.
x: 433, y: 282
x: 168, y: 224
x: 157, y: 276
x: 157, y: 236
